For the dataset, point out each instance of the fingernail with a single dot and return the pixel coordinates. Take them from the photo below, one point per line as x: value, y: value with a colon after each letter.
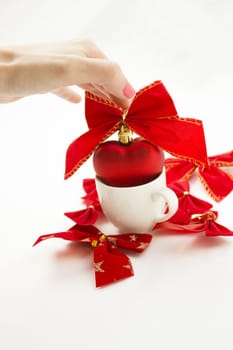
x: 128, y: 90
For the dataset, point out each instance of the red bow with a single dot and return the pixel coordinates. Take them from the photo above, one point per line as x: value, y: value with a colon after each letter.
x: 152, y: 115
x: 110, y: 263
x: 89, y: 215
x: 188, y: 204
x: 217, y: 182
x: 205, y: 222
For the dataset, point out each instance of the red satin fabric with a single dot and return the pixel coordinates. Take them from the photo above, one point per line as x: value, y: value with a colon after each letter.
x: 205, y: 222
x: 110, y: 263
x: 86, y: 216
x: 90, y: 215
x: 152, y: 115
x: 188, y: 204
x: 217, y: 182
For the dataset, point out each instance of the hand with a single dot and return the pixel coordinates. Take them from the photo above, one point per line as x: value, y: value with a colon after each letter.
x: 36, y: 69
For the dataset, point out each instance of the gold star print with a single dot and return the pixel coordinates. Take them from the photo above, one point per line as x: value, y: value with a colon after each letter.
x: 97, y: 266
x: 48, y: 237
x: 128, y: 267
x: 112, y: 240
x: 133, y: 238
x: 142, y: 245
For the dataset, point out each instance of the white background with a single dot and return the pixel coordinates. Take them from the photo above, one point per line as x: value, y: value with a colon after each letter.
x: 181, y: 296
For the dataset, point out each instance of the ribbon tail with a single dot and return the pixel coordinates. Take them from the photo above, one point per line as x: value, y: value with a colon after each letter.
x: 75, y: 234
x: 67, y: 235
x: 215, y: 229
x: 82, y: 148
x: 222, y: 160
x: 178, y: 170
x: 110, y: 265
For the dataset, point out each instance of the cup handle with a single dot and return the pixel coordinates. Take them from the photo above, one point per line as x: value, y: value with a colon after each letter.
x: 171, y: 200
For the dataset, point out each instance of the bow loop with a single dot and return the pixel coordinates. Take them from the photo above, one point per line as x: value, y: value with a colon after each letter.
x: 86, y: 216
x: 110, y: 263
x: 98, y: 111
x: 152, y: 115
x: 154, y: 102
x: 188, y: 204
x: 178, y: 169
x: 217, y: 182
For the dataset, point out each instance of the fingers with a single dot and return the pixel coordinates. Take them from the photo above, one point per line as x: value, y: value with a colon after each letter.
x: 110, y: 77
x: 53, y: 68
x: 68, y: 94
x: 9, y: 99
x: 96, y: 90
x: 106, y: 76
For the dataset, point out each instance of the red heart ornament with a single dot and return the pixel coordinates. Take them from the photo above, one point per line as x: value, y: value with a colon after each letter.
x: 131, y: 164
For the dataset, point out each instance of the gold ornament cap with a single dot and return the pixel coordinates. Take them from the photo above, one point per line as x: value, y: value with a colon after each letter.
x: 124, y: 134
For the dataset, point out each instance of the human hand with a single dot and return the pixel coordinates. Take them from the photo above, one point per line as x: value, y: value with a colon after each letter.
x: 36, y: 69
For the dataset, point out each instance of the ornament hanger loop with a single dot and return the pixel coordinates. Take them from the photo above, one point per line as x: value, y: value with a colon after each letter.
x: 124, y: 134
x: 207, y: 216
x: 186, y: 193
x: 124, y: 115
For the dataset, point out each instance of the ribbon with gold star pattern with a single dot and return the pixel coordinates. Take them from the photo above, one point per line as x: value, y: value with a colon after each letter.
x: 110, y: 263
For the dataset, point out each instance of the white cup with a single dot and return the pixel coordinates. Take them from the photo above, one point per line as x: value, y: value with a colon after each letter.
x: 139, y: 208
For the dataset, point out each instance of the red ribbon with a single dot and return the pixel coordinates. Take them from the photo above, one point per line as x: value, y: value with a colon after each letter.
x: 216, y: 181
x: 152, y: 115
x: 204, y: 222
x: 87, y: 216
x: 188, y: 204
x: 90, y: 215
x: 110, y: 264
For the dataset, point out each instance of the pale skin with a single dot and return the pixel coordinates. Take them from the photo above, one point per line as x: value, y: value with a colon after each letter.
x: 56, y: 67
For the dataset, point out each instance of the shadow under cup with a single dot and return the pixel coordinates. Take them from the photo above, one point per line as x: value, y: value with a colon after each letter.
x: 139, y: 208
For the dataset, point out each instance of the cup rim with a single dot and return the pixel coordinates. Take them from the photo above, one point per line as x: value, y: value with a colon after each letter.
x: 130, y: 187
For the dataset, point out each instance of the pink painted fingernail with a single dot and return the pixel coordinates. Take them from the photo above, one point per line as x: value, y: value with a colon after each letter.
x: 128, y: 90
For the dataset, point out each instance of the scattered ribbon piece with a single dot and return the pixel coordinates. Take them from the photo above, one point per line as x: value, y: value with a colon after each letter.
x: 152, y: 115
x: 212, y: 228
x: 90, y: 215
x: 110, y: 263
x: 217, y: 182
x: 91, y: 197
x: 204, y: 222
x: 188, y: 204
x: 87, y: 216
